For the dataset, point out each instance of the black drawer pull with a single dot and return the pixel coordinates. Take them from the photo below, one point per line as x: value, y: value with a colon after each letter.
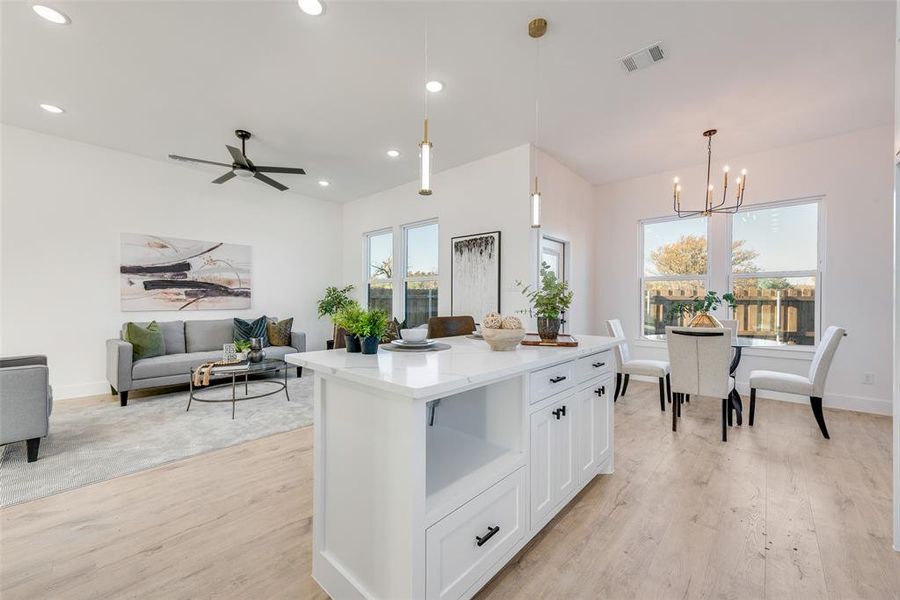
x: 481, y: 540
x: 557, y: 379
x: 559, y: 412
x: 599, y: 364
x: 599, y: 391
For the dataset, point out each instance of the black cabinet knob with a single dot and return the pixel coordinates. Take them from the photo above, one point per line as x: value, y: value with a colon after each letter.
x: 480, y: 540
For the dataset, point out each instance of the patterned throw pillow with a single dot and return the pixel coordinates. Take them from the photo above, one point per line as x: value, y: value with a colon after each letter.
x: 145, y: 341
x: 280, y: 333
x: 244, y: 330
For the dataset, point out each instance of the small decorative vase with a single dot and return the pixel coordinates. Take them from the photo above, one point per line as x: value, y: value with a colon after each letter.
x: 256, y: 353
x: 704, y: 319
x: 352, y: 343
x: 548, y: 329
x: 369, y: 345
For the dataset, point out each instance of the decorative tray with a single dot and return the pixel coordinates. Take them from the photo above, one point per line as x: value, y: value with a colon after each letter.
x: 564, y: 340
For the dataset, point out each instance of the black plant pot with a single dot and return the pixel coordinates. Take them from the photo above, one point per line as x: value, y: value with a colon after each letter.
x: 352, y: 343
x: 329, y: 344
x: 370, y: 345
x: 548, y: 329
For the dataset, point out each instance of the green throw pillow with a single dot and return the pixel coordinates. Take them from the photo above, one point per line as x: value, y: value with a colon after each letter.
x: 145, y: 341
x: 280, y: 333
x: 244, y: 330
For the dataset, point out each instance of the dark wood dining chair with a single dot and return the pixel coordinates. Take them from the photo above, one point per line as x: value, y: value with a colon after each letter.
x: 441, y: 327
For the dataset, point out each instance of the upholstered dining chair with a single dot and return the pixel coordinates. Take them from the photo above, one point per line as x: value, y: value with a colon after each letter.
x: 700, y: 357
x: 812, y: 385
x: 627, y: 366
x: 731, y: 324
x: 441, y: 327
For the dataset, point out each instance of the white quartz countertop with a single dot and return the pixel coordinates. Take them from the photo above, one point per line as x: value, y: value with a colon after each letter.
x: 427, y: 375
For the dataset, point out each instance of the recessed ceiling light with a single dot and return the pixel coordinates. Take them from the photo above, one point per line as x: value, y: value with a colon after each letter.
x: 311, y: 7
x: 51, y: 14
x: 324, y: 183
x: 50, y: 108
x: 434, y: 86
x: 393, y: 153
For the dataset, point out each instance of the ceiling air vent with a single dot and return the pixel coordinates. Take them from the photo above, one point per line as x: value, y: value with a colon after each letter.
x: 642, y: 58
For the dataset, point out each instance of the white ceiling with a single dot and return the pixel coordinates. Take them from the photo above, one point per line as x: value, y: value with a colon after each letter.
x: 332, y: 93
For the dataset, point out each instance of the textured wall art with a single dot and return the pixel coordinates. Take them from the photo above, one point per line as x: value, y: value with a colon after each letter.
x: 161, y: 273
x: 475, y: 274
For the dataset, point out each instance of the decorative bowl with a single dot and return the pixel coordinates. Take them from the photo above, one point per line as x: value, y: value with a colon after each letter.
x: 503, y: 340
x: 414, y: 335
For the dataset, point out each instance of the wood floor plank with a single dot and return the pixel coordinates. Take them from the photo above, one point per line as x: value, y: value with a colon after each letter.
x: 777, y: 512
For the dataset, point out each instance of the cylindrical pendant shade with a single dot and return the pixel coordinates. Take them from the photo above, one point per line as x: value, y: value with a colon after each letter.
x: 536, y: 209
x: 425, y: 156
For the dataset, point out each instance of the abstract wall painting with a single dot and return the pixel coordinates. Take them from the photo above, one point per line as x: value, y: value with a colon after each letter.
x: 163, y: 273
x: 475, y: 274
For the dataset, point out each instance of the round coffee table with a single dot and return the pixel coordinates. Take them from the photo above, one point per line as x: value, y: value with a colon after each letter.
x: 268, y: 365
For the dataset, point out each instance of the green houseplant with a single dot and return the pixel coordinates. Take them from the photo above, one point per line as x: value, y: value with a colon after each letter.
x: 348, y: 319
x: 552, y: 298
x: 334, y: 300
x: 372, y: 325
x: 699, y: 308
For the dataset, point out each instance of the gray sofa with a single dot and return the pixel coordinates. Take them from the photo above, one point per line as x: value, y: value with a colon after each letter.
x: 188, y: 344
x: 26, y: 401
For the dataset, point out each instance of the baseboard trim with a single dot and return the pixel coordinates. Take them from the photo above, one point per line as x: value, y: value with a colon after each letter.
x: 876, y: 406
x: 80, y: 390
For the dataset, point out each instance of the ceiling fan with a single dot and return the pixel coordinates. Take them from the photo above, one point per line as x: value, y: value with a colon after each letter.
x: 242, y: 166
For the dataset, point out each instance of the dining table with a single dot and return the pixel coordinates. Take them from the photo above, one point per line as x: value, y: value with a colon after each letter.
x: 738, y: 343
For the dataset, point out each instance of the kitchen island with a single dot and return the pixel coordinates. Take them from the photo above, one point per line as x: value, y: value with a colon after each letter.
x: 433, y: 469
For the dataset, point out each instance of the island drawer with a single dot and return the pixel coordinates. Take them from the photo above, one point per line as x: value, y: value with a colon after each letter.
x: 552, y: 380
x: 595, y: 365
x: 467, y: 543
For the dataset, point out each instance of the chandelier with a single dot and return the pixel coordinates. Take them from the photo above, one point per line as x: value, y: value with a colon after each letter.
x: 709, y: 207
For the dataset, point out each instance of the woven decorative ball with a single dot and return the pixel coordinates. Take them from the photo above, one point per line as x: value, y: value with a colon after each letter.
x: 492, y: 321
x: 512, y: 323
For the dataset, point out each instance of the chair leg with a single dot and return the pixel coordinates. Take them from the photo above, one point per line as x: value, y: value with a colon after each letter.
x: 687, y: 398
x: 752, y: 405
x: 674, y: 416
x: 668, y: 389
x: 113, y: 390
x: 123, y: 398
x: 299, y: 372
x: 31, y: 447
x: 730, y: 412
x: 618, y: 386
x: 662, y: 394
x: 724, y: 419
x: 816, y: 404
x: 625, y: 384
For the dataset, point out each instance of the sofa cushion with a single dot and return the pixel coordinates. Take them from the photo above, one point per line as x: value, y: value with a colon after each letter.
x: 279, y: 351
x: 205, y: 336
x: 173, y: 334
x: 172, y: 364
x: 279, y: 332
x: 145, y: 341
x: 245, y: 330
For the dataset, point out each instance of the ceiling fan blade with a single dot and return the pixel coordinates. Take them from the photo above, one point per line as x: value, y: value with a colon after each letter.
x: 224, y: 177
x: 270, y: 181
x: 281, y: 170
x: 197, y: 160
x: 238, y: 156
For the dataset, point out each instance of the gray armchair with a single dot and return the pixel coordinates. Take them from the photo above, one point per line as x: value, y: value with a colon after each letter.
x: 26, y: 401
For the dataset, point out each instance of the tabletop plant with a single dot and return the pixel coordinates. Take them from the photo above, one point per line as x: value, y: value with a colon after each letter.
x: 547, y: 302
x: 372, y: 325
x: 334, y: 300
x: 700, y: 307
x: 348, y: 319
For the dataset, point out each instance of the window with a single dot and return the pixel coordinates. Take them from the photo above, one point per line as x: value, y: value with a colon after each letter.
x: 553, y: 253
x: 674, y: 268
x: 774, y: 271
x: 420, y: 285
x: 380, y: 270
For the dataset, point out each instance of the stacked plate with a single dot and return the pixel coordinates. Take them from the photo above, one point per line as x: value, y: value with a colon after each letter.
x: 404, y: 344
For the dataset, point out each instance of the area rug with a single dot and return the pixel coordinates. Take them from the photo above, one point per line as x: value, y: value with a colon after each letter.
x: 87, y: 444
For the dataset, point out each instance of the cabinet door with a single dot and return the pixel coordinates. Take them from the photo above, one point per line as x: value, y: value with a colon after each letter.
x: 587, y: 428
x: 605, y: 424
x: 542, y: 452
x: 562, y: 465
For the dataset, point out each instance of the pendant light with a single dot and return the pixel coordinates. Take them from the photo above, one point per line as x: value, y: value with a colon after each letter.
x: 536, y: 29
x: 425, y: 145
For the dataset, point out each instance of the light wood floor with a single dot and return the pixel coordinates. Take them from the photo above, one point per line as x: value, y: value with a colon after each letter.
x: 777, y: 512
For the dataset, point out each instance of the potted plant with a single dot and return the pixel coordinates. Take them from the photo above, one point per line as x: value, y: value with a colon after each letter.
x: 335, y: 300
x: 373, y: 324
x: 348, y: 319
x: 241, y: 347
x: 547, y: 302
x: 699, y: 308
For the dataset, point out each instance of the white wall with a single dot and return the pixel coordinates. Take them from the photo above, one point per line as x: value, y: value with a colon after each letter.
x: 64, y: 205
x: 490, y: 194
x: 569, y: 214
x: 853, y: 173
